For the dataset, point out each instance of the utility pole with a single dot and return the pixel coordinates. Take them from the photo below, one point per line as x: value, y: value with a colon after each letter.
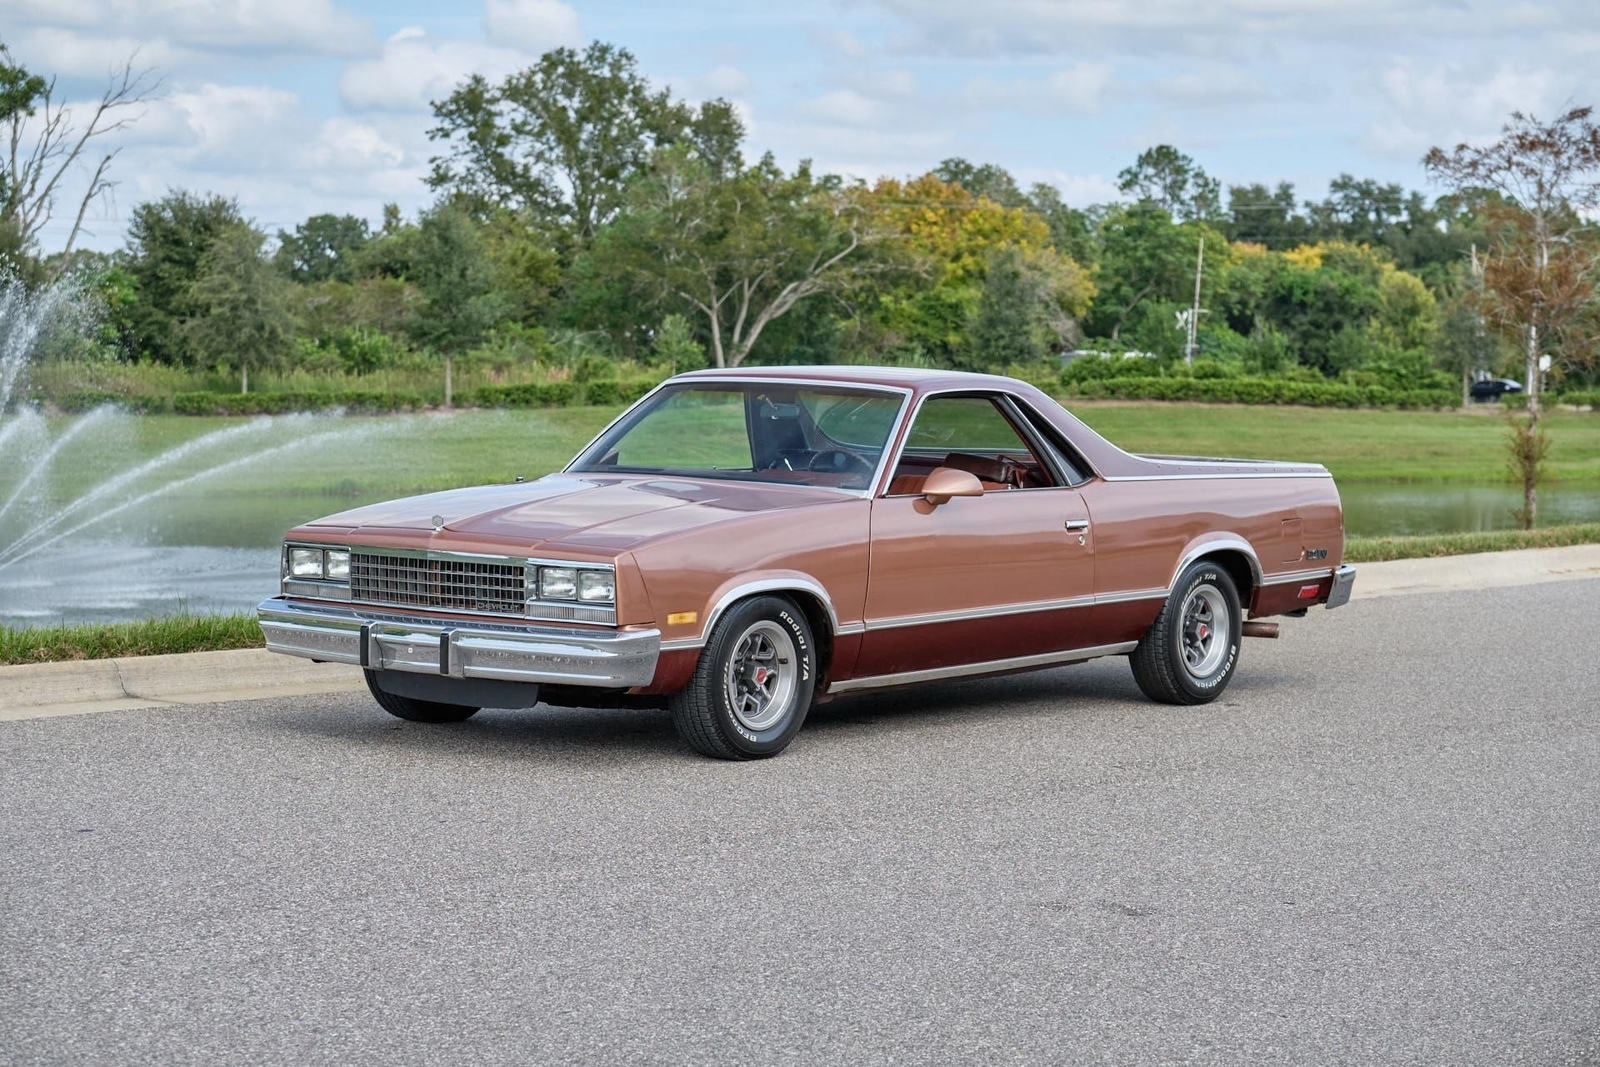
x: 1193, y: 345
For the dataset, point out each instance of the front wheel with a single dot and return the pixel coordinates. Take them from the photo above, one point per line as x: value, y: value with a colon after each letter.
x: 754, y: 682
x: 1189, y: 653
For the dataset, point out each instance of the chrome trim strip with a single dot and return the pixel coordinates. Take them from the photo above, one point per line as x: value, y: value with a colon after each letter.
x: 968, y: 614
x: 1297, y: 576
x: 1080, y: 655
x: 1205, y: 477
x: 1132, y: 594
x: 610, y: 659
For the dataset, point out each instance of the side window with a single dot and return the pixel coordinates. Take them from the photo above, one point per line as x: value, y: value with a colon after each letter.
x: 968, y: 433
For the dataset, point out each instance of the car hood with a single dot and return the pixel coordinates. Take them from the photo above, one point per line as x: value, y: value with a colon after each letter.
x: 605, y: 513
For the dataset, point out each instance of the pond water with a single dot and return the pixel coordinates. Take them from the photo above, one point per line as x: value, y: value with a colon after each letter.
x: 218, y: 553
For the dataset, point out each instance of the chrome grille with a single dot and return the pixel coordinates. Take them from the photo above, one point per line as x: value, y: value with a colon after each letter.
x: 444, y: 584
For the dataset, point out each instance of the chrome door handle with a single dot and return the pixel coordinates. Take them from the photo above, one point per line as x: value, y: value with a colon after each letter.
x: 1076, y: 525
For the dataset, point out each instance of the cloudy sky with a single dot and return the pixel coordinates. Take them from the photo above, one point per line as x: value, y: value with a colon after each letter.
x: 303, y: 106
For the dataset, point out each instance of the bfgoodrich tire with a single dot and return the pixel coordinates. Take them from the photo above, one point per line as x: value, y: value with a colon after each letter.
x: 413, y: 710
x: 1190, y: 652
x: 754, y: 682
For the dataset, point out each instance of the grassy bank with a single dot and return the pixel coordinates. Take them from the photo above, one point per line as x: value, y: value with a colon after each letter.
x: 1359, y: 446
x: 203, y: 633
x: 377, y: 457
x: 152, y: 637
x: 1379, y: 549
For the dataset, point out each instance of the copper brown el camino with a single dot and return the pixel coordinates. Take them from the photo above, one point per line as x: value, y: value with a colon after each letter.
x: 741, y: 544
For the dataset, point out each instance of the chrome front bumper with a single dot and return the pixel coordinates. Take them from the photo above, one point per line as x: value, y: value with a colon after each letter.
x: 509, y: 652
x: 1344, y: 579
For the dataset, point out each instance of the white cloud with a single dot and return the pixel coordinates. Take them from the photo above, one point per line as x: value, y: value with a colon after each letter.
x: 1078, y: 90
x: 1077, y: 190
x: 1448, y: 103
x: 1023, y: 27
x: 71, y: 54
x: 723, y: 80
x: 844, y: 106
x: 415, y: 69
x: 531, y: 25
x: 315, y: 26
x: 1210, y: 87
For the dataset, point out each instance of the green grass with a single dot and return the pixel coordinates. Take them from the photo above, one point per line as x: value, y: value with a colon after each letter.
x: 151, y: 637
x: 1380, y: 549
x: 1361, y: 445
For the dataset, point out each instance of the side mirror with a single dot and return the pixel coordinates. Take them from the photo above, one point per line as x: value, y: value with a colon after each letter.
x: 946, y: 482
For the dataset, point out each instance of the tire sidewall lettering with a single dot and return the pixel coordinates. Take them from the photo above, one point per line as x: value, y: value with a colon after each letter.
x: 777, y: 733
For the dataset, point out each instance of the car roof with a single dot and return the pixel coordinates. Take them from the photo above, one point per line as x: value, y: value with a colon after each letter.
x: 919, y: 379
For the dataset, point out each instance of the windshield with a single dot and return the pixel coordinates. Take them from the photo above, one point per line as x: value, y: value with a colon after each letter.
x: 799, y: 434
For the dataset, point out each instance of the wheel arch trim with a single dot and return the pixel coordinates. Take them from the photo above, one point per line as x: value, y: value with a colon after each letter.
x: 776, y: 582
x: 1212, y: 544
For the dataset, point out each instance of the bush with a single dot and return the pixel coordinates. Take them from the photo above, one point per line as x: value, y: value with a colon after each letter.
x: 87, y: 399
x: 359, y: 401
x: 1582, y: 398
x: 1261, y: 391
x: 528, y: 395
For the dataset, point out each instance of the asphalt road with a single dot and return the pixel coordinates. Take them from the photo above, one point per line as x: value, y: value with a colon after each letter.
x: 1381, y: 847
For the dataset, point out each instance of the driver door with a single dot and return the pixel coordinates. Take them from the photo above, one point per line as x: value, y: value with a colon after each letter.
x: 1006, y: 576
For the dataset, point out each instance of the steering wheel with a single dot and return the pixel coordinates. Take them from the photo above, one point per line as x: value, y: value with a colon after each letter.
x: 838, y: 461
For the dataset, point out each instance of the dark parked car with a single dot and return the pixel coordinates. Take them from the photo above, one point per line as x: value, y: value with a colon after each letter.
x: 1495, y: 388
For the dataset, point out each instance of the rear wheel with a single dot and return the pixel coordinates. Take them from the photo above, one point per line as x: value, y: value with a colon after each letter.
x: 1189, y: 653
x: 753, y: 685
x: 413, y: 710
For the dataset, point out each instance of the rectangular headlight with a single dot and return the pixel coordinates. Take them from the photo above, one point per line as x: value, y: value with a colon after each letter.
x: 305, y: 562
x: 339, y: 564
x: 558, y: 583
x: 597, y: 586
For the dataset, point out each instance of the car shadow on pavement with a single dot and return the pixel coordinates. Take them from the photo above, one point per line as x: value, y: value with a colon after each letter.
x: 590, y: 735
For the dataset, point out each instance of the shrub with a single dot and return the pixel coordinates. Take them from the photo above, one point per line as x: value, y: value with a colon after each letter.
x: 1262, y: 391
x: 87, y: 399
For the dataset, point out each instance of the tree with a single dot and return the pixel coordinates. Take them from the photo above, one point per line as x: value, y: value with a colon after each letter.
x: 322, y: 248
x: 452, y: 271
x: 740, y: 250
x: 1540, y: 270
x: 239, y: 305
x: 1267, y: 217
x: 1030, y: 303
x: 563, y: 138
x: 1361, y: 211
x: 1143, y: 255
x: 984, y: 179
x: 45, y: 141
x: 1172, y: 181
x: 674, y: 345
x: 167, y: 240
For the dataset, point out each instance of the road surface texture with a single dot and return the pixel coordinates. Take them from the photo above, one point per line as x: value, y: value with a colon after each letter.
x: 1381, y: 847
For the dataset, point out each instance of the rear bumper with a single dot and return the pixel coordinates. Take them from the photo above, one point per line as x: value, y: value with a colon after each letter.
x: 508, y: 652
x: 1344, y: 579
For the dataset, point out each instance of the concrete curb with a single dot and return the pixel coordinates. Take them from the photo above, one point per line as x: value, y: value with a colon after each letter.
x: 40, y: 690
x: 44, y: 690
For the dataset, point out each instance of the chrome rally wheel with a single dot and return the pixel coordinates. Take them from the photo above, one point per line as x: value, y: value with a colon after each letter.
x: 1191, y: 650
x: 761, y: 675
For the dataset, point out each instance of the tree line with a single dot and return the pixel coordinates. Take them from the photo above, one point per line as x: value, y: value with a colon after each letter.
x: 580, y: 215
